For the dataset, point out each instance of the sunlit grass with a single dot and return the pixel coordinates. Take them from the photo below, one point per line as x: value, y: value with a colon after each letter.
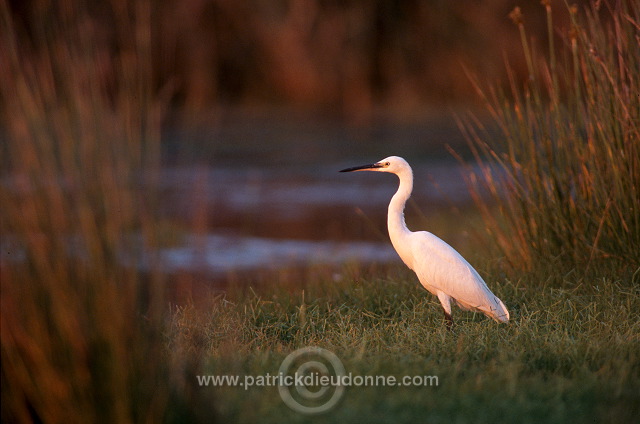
x: 565, y: 170
x: 570, y: 354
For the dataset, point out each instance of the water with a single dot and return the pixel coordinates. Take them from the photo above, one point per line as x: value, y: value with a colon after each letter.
x: 252, y: 194
x: 257, y: 218
x: 218, y: 254
x: 291, y: 192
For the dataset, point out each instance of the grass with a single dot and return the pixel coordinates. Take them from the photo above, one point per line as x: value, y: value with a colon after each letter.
x: 570, y: 354
x: 564, y: 177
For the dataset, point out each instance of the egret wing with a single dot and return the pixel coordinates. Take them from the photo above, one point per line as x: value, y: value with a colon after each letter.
x: 441, y: 268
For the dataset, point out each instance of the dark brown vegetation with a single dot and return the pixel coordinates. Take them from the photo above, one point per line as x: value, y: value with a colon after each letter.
x: 348, y: 57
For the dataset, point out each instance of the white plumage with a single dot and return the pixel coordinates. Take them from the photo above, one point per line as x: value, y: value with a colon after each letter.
x: 439, y: 267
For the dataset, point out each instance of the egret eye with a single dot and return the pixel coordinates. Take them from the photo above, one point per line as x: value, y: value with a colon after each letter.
x: 387, y: 163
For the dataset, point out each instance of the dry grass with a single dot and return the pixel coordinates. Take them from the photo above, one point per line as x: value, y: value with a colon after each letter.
x: 565, y: 175
x: 82, y: 328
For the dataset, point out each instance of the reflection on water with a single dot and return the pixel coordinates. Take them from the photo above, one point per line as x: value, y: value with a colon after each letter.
x: 267, y: 197
x: 220, y: 254
x: 275, y: 217
x: 267, y: 218
x: 264, y: 195
x: 291, y: 190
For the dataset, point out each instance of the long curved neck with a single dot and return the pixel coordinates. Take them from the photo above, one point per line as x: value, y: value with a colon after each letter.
x: 395, y: 218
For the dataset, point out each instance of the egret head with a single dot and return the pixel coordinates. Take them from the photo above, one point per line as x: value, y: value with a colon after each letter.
x: 392, y: 164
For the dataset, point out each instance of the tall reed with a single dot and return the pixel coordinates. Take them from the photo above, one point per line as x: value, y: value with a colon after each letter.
x: 82, y: 327
x: 565, y: 173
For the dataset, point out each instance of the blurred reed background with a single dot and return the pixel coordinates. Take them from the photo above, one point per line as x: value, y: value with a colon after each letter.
x: 82, y: 328
x: 348, y: 57
x: 89, y: 88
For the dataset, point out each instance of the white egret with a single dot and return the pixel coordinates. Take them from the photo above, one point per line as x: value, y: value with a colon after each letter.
x: 439, y: 267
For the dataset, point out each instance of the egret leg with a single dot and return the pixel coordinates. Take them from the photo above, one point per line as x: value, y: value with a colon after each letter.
x: 448, y: 320
x: 445, y: 301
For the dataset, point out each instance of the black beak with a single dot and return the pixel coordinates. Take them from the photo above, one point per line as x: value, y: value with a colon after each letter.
x: 363, y: 167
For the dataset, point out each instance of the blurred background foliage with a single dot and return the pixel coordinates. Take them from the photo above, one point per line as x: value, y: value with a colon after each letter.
x: 345, y: 57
